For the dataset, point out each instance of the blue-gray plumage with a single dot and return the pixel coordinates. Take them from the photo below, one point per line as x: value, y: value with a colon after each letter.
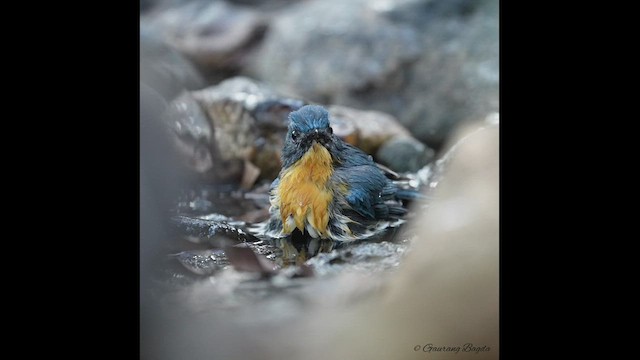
x: 328, y: 188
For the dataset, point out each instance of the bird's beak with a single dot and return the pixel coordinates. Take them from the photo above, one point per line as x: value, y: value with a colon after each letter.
x: 317, y: 136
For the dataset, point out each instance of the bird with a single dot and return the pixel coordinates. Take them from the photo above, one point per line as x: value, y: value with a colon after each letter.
x: 328, y: 189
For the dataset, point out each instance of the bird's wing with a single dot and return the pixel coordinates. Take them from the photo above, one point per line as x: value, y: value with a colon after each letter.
x: 388, y: 172
x: 365, y: 186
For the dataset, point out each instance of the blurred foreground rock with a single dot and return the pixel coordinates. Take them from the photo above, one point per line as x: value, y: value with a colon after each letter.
x: 165, y: 69
x: 445, y: 292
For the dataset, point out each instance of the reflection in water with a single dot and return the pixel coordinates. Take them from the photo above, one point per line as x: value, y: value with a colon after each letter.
x: 298, y: 248
x: 205, y: 242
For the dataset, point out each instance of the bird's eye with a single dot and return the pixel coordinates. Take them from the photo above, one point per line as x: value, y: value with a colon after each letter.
x: 330, y: 130
x: 294, y: 135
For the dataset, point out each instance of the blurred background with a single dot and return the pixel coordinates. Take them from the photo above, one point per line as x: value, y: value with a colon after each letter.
x: 412, y: 82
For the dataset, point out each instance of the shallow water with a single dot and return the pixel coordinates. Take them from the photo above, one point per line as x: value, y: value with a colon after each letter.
x: 214, y: 249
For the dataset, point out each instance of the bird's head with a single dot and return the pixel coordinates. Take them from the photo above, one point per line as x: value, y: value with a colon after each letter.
x: 308, y: 125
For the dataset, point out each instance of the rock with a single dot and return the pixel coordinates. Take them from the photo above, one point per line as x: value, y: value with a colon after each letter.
x: 457, y: 77
x: 235, y: 131
x: 219, y: 233
x: 232, y: 132
x: 250, y: 175
x: 244, y: 259
x: 161, y: 179
x: 202, y: 262
x: 405, y: 154
x: 381, y: 135
x: 420, y: 12
x: 216, y: 35
x: 191, y: 132
x: 145, y: 5
x: 373, y: 128
x: 430, y: 63
x: 265, y: 4
x: 319, y: 49
x: 163, y: 68
x: 249, y: 121
x: 364, y: 256
x: 431, y: 175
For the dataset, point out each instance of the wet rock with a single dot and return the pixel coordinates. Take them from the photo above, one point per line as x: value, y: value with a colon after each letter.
x: 220, y: 217
x: 200, y: 205
x: 219, y: 233
x: 203, y: 262
x: 165, y: 69
x: 373, y: 128
x: 244, y: 259
x: 208, y: 200
x: 365, y: 256
x: 235, y: 131
x: 321, y: 48
x: 249, y: 122
x: 381, y: 135
x: 430, y: 176
x: 231, y: 132
x: 257, y: 215
x: 191, y: 133
x: 215, y: 35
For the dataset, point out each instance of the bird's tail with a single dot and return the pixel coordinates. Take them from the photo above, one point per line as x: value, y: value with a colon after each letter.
x: 410, y: 195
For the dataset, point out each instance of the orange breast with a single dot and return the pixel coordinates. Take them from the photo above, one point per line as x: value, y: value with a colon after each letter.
x: 304, y: 194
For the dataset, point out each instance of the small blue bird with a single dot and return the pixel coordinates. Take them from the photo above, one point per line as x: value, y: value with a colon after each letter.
x: 327, y: 188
